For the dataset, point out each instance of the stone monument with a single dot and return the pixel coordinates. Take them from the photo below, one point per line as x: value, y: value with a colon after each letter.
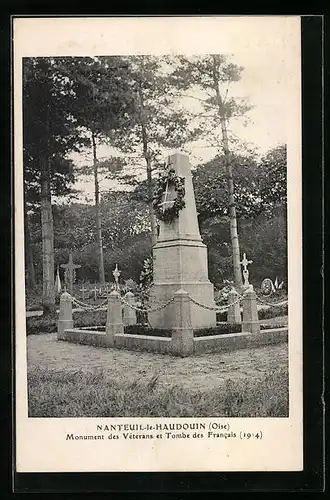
x: 180, y: 259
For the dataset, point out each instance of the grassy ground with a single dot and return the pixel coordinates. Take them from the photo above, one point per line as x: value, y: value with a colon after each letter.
x: 75, y: 394
x: 69, y: 380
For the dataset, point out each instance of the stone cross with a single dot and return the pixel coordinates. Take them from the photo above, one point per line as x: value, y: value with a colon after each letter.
x: 70, y: 273
x: 245, y: 263
x: 116, y: 274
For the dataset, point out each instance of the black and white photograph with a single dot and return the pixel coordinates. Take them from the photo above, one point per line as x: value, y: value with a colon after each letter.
x: 158, y: 196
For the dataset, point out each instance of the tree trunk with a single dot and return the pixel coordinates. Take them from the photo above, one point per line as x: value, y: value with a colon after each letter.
x: 29, y: 252
x: 232, y: 210
x: 98, y: 214
x: 47, y: 231
x: 150, y: 198
x: 146, y: 155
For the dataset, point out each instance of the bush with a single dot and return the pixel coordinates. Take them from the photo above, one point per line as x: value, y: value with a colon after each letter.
x: 272, y: 312
x: 33, y: 299
x: 200, y: 332
x: 48, y: 324
x: 146, y: 330
x: 61, y: 393
x: 95, y: 320
x: 41, y: 324
x: 221, y: 329
x: 221, y: 316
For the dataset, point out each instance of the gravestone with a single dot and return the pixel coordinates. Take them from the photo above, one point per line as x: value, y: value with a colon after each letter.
x: 180, y: 259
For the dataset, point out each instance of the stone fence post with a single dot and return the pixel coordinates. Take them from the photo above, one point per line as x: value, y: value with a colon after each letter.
x: 114, y: 317
x: 182, y: 332
x: 65, y: 320
x: 250, y: 312
x: 129, y: 314
x: 234, y: 309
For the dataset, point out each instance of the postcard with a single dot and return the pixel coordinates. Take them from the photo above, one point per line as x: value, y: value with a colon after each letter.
x: 158, y: 244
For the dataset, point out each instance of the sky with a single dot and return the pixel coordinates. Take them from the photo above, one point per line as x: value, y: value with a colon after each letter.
x: 262, y: 84
x: 268, y: 48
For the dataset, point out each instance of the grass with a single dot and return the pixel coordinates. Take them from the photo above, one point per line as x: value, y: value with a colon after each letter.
x: 64, y: 393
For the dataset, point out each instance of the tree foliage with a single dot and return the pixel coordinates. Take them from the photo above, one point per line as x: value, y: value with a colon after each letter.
x: 212, y: 75
x: 260, y: 196
x: 211, y: 190
x: 273, y: 179
x: 260, y: 186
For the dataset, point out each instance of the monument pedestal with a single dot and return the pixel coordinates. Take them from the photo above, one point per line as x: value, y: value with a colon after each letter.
x: 200, y: 317
x: 180, y: 260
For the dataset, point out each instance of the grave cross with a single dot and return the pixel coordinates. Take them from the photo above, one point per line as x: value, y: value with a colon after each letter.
x: 165, y: 200
x: 95, y: 290
x: 70, y: 274
x: 83, y: 290
x: 116, y: 274
x: 245, y: 263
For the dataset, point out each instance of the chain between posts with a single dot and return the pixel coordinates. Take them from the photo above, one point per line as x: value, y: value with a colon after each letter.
x: 153, y: 309
x: 89, y: 307
x: 162, y: 306
x: 217, y: 309
x: 157, y: 308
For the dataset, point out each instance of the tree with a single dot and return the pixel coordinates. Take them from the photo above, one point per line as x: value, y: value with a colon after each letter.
x: 210, y: 184
x: 155, y: 122
x: 265, y: 239
x: 260, y: 197
x: 213, y: 75
x: 273, y: 180
x: 126, y: 226
x: 48, y: 134
x: 102, y: 99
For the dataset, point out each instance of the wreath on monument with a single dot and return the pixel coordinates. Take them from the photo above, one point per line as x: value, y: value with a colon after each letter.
x: 164, y: 181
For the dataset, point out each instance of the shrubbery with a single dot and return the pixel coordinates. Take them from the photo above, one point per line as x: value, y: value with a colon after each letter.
x: 272, y: 312
x: 221, y: 329
x: 48, y: 323
x: 200, y: 332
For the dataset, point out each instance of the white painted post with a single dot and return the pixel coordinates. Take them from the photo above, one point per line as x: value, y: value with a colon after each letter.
x: 65, y: 320
x: 114, y: 317
x: 250, y: 312
x: 234, y: 309
x: 182, y: 332
x: 129, y: 315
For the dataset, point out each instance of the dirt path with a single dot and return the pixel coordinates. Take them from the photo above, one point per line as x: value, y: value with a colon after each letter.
x: 196, y: 371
